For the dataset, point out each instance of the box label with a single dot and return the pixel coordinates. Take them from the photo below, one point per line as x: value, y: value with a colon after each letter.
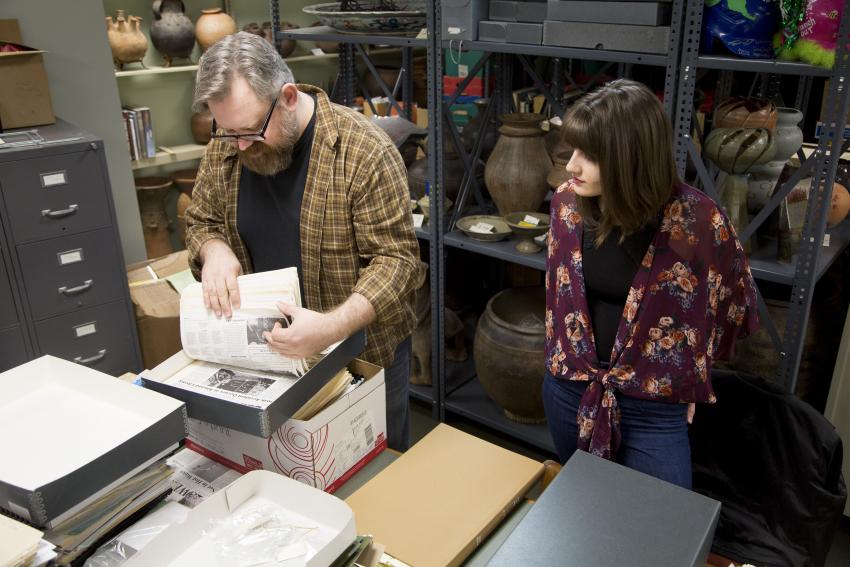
x: 358, y: 440
x: 70, y: 257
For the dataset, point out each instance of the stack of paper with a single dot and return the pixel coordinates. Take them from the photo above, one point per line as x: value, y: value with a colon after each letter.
x: 18, y: 543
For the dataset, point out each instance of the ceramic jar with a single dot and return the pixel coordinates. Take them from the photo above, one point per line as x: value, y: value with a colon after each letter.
x: 212, y: 25
x: 787, y: 133
x: 839, y: 206
x: 509, y: 352
x: 745, y: 112
x: 517, y: 169
x: 417, y: 173
x: 151, y: 193
x: 126, y: 40
x: 326, y: 46
x: 201, y: 125
x: 284, y: 47
x: 472, y: 129
x: 172, y: 33
x: 736, y: 150
x: 184, y: 180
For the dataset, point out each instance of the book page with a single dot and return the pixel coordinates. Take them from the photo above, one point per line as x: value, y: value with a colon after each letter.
x: 239, y: 341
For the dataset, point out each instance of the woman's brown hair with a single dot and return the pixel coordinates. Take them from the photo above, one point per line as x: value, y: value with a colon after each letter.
x: 622, y: 127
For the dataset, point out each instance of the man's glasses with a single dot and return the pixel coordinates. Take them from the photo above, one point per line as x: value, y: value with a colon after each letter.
x: 255, y: 137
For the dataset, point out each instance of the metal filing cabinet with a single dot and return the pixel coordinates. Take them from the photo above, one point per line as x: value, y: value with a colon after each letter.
x: 63, y: 286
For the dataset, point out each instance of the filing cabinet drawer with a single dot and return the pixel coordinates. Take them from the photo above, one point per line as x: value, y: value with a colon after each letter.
x: 54, y: 195
x: 99, y: 337
x: 13, y: 351
x: 8, y: 314
x: 65, y: 274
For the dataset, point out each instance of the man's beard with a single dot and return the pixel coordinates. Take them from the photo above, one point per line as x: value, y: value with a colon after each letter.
x: 266, y: 159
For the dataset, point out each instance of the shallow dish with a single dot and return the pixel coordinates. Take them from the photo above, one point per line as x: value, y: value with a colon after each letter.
x: 501, y: 228
x: 407, y: 20
x: 526, y: 234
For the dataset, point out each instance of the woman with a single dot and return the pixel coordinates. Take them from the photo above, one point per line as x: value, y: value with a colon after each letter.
x: 646, y: 284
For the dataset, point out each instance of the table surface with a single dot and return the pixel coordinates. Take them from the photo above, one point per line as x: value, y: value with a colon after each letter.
x: 484, y: 552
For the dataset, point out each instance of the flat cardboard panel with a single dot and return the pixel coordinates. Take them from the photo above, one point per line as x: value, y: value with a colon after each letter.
x: 524, y: 33
x: 322, y: 452
x: 597, y: 512
x: 24, y: 91
x: 633, y: 13
x: 614, y: 37
x: 436, y: 502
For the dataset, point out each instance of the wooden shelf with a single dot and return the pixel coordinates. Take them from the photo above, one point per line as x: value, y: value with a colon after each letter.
x: 156, y: 71
x: 176, y: 154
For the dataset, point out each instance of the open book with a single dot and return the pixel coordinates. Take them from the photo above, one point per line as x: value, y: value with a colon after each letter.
x: 230, y: 359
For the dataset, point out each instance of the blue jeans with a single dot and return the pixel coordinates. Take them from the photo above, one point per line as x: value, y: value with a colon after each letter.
x: 397, y: 380
x: 654, y: 434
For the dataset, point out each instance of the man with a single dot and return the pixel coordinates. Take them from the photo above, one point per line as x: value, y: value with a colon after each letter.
x: 291, y: 179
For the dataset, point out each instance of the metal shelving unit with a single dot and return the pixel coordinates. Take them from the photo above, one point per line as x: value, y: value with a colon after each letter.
x: 813, y: 258
x: 455, y: 388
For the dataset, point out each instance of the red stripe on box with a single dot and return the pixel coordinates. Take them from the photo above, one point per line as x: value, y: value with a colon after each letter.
x: 216, y: 457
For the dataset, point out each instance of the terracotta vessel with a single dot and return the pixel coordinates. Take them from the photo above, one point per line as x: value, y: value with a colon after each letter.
x: 839, y: 206
x: 517, y: 169
x: 745, y: 112
x: 201, y: 127
x: 126, y: 40
x: 471, y: 131
x: 558, y: 174
x: 212, y: 25
x: 151, y: 192
x: 184, y: 180
x: 508, y: 352
x: 172, y: 32
x: 284, y: 47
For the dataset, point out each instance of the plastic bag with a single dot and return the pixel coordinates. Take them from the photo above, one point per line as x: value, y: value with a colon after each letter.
x: 809, y: 33
x: 744, y: 27
x: 258, y: 534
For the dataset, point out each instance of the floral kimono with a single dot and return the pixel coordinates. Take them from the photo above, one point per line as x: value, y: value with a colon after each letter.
x: 691, y: 298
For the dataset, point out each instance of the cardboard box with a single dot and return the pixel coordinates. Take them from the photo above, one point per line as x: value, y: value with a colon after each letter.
x: 597, y: 512
x: 24, y: 90
x: 70, y: 434
x: 157, y: 305
x: 516, y: 11
x: 460, y: 18
x: 438, y: 501
x: 323, y: 452
x: 614, y: 37
x: 189, y: 543
x: 475, y: 87
x: 633, y: 13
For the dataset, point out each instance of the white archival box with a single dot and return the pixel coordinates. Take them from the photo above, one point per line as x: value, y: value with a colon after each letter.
x: 69, y: 433
x: 185, y: 545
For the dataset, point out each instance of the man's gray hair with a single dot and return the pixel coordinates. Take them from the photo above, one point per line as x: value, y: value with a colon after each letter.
x: 247, y: 55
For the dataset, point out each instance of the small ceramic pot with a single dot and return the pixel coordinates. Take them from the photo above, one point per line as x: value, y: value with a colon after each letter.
x: 172, y: 32
x: 126, y: 40
x: 201, y: 127
x: 745, y: 112
x: 212, y: 25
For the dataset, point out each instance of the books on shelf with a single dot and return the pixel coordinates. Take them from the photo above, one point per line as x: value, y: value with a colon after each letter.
x: 138, y: 127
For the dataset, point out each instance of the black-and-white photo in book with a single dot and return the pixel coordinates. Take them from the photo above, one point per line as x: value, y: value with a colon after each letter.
x: 231, y: 359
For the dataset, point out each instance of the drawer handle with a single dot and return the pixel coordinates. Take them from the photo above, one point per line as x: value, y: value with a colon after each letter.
x: 60, y: 213
x: 99, y: 356
x: 75, y: 290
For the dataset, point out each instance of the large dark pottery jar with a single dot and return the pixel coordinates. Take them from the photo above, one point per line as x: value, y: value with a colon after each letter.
x: 417, y: 173
x: 509, y: 352
x: 172, y: 32
x: 517, y: 169
x: 471, y: 130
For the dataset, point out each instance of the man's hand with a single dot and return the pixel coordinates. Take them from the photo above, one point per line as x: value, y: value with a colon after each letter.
x: 692, y: 410
x: 218, y: 277
x: 309, y: 332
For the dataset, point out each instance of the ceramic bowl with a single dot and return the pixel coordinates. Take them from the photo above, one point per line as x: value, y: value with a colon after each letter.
x: 407, y: 20
x: 425, y: 205
x: 500, y: 228
x: 527, y: 234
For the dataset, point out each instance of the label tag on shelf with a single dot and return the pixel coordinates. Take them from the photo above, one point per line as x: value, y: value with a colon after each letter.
x: 826, y: 240
x: 418, y: 219
x: 317, y: 51
x: 482, y: 228
x: 532, y: 220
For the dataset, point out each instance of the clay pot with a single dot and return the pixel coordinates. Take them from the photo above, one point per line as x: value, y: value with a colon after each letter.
x: 517, y: 169
x: 151, y: 192
x: 326, y: 46
x: 202, y: 127
x: 172, y: 32
x: 736, y: 150
x: 745, y: 112
x: 558, y: 174
x: 212, y: 25
x: 787, y: 133
x: 840, y: 205
x: 184, y: 180
x: 509, y: 352
x: 126, y: 40
x: 761, y: 183
x: 470, y: 131
x: 284, y: 47
x: 417, y: 173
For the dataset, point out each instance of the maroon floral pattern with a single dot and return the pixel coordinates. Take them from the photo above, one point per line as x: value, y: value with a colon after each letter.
x: 691, y: 298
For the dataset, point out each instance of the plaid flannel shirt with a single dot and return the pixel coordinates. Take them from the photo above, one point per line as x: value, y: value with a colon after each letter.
x: 356, y: 227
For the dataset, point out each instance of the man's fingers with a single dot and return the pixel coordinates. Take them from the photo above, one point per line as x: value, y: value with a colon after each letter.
x: 233, y: 291
x: 288, y: 309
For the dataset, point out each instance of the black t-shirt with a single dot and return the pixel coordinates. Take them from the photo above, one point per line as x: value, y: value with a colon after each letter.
x: 269, y: 210
x: 608, y: 274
